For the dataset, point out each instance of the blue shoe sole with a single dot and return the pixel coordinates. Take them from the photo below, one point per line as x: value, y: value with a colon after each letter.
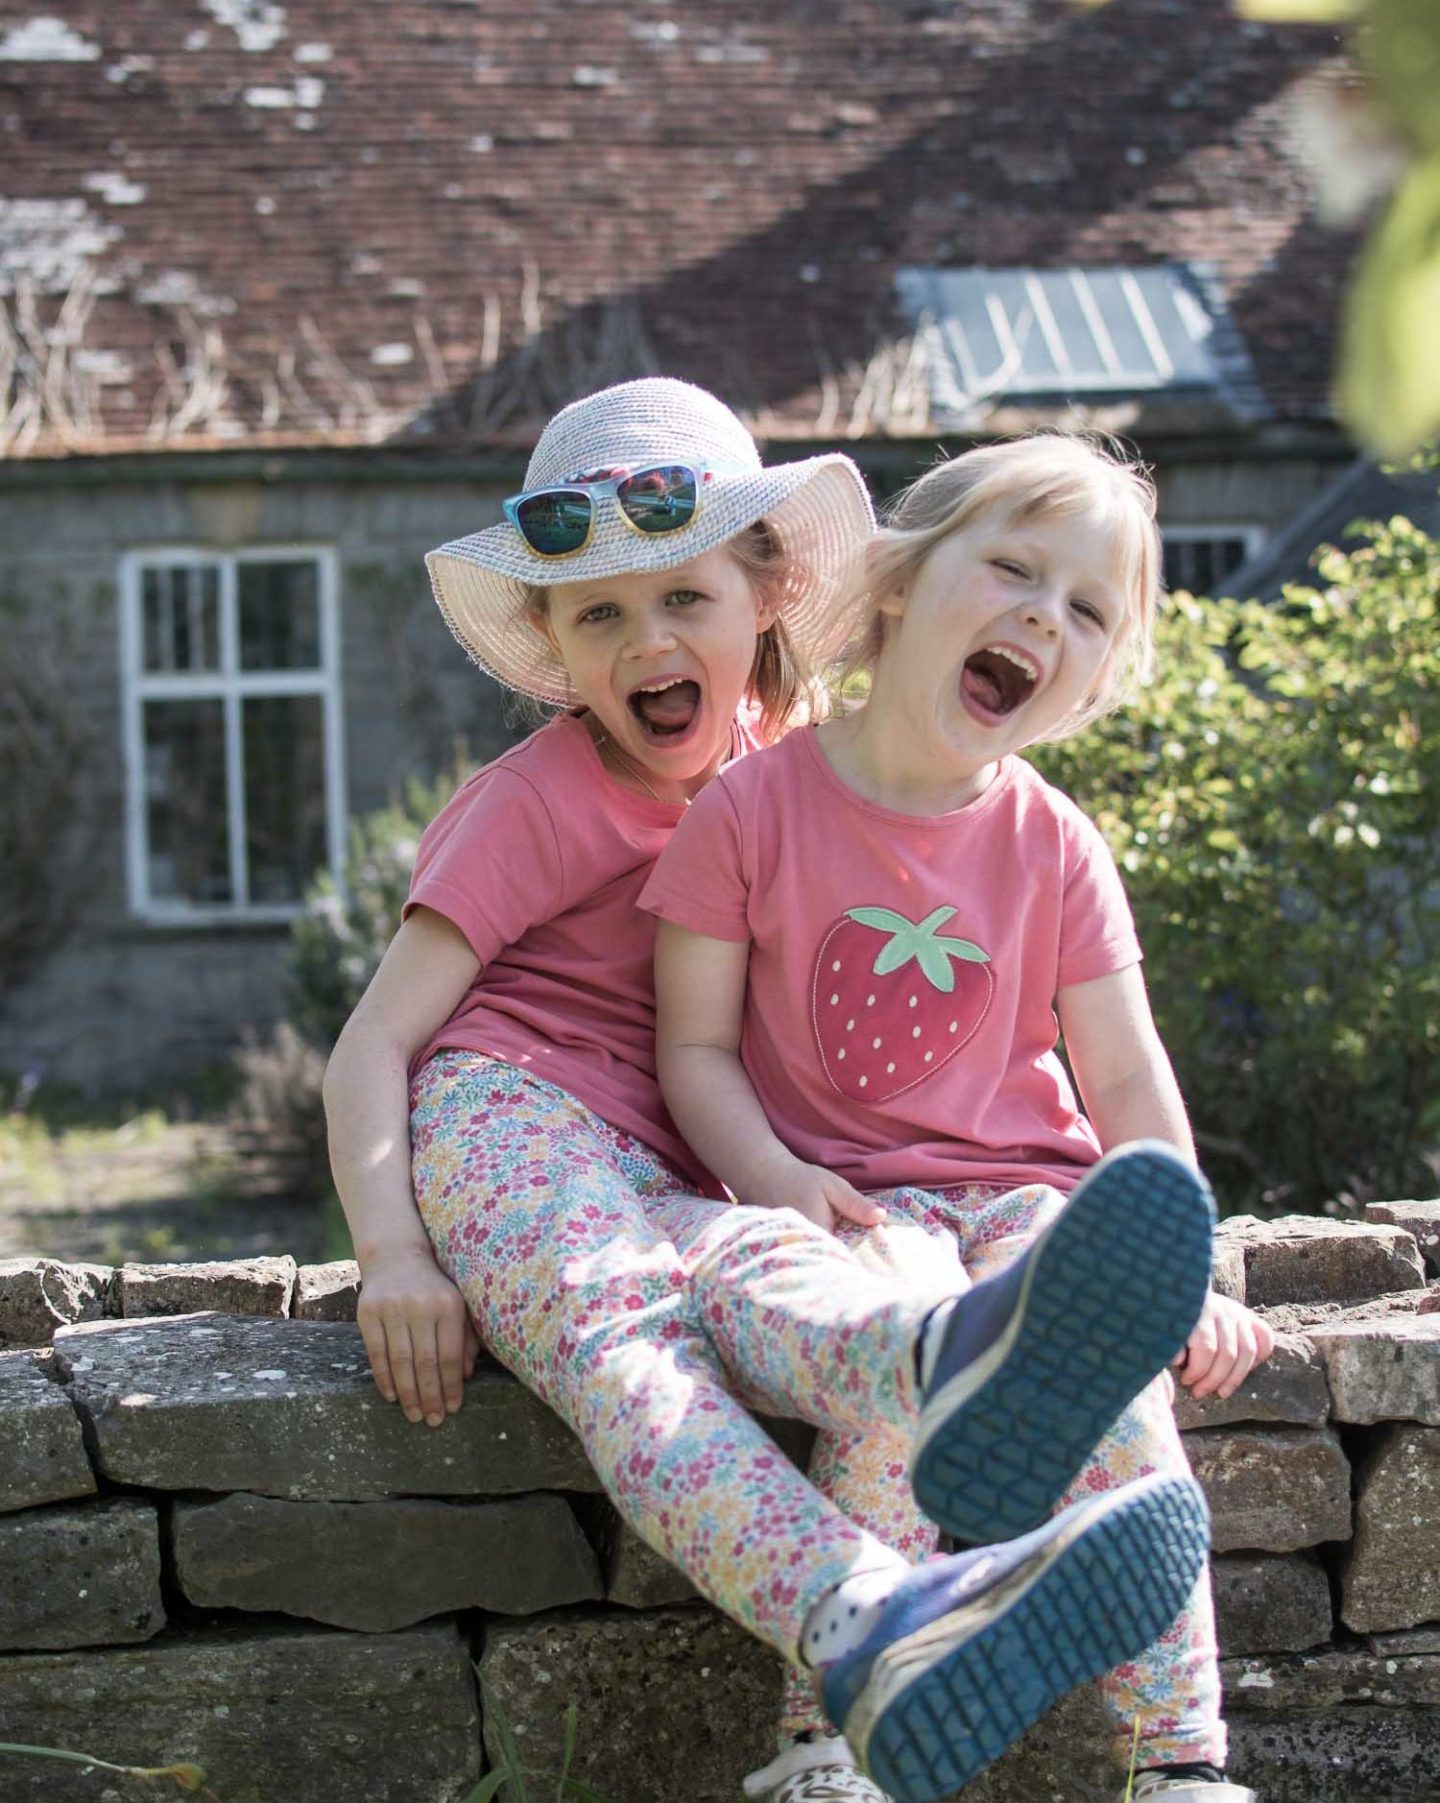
x: 1117, y: 1283
x: 1108, y: 1595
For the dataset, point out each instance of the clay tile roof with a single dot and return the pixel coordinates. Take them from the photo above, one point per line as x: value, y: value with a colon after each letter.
x: 428, y: 221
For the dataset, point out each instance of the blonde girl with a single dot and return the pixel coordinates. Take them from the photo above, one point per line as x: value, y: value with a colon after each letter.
x: 868, y: 934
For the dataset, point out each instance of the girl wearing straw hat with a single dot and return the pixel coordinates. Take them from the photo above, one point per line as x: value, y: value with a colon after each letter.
x: 505, y: 1160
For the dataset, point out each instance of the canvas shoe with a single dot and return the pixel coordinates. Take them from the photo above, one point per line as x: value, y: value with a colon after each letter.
x: 1036, y: 1364
x: 822, y: 1770
x: 970, y: 1650
x: 1160, y: 1786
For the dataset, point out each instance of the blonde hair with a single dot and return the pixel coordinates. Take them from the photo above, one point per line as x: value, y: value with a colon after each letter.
x: 781, y: 679
x: 1042, y: 475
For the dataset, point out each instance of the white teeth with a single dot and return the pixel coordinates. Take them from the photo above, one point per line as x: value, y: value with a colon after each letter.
x: 1021, y: 662
x: 657, y: 688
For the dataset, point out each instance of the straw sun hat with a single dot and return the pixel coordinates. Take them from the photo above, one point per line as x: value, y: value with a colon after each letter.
x: 817, y: 508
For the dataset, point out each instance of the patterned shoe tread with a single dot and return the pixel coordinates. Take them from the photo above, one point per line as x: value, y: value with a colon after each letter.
x: 1107, y: 1597
x: 1137, y: 1233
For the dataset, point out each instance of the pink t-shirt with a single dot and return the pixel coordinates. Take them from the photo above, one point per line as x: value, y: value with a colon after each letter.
x: 539, y: 860
x: 859, y: 917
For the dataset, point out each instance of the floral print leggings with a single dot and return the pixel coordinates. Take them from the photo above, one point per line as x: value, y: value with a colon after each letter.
x: 652, y: 1320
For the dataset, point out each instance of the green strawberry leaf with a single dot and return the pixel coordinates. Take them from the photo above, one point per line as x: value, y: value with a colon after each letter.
x: 910, y: 939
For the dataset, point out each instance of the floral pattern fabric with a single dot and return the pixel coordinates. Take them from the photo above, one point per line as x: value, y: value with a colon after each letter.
x: 652, y: 1320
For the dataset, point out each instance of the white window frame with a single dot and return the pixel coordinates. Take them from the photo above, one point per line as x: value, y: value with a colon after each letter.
x: 230, y: 685
x: 1191, y: 534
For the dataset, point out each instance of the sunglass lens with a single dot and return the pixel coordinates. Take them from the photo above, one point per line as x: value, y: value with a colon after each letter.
x: 554, y: 524
x: 659, y: 500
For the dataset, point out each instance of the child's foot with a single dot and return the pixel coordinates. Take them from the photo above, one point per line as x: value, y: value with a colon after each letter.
x: 822, y: 1770
x: 1187, y: 1784
x: 1029, y: 1369
x: 969, y: 1651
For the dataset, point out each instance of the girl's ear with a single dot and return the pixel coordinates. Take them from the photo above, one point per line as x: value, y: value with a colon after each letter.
x: 538, y: 620
x: 767, y: 608
x: 888, y: 590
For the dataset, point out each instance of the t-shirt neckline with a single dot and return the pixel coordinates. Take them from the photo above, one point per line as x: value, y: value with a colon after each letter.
x: 879, y: 811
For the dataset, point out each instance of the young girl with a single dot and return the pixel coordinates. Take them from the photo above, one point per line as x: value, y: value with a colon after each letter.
x: 659, y: 584
x: 868, y: 933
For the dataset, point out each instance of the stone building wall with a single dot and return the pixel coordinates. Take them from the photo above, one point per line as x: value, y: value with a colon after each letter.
x: 217, y: 1543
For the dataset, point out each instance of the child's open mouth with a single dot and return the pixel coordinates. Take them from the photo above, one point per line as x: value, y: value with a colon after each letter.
x: 668, y: 709
x: 995, y: 681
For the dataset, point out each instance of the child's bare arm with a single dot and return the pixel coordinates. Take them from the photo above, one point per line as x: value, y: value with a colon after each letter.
x: 1121, y: 1068
x: 413, y: 1320
x: 1129, y: 1091
x: 700, y: 994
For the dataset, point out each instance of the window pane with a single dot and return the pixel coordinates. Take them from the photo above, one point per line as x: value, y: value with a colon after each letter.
x: 180, y: 616
x: 280, y: 615
x: 187, y: 839
x: 284, y: 794
x: 1202, y: 564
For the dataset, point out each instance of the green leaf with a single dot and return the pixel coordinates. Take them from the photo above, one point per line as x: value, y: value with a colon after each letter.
x: 965, y: 950
x: 572, y: 1721
x: 1401, y: 46
x: 488, y: 1787
x: 884, y: 920
x: 508, y: 1750
x: 1390, y: 363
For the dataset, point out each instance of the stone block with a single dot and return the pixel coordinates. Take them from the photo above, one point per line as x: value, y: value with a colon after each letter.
x: 673, y: 1703
x: 1420, y: 1218
x: 1306, y: 1258
x: 680, y: 1703
x: 1383, y: 1370
x: 80, y: 1575
x: 1335, y: 1727
x: 288, y: 1408
x: 327, y: 1292
x: 636, y: 1576
x: 377, y: 1566
x: 1227, y: 1275
x: 1404, y: 1640
x: 1289, y: 1386
x: 239, y: 1286
x: 37, y: 1295
x: 1270, y: 1603
x: 1272, y: 1489
x: 44, y: 1458
x: 1304, y: 1317
x: 1391, y: 1577
x: 1357, y: 1755
x: 274, y: 1715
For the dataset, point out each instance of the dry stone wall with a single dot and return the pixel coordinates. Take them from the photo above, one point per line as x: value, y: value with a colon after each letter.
x: 218, y: 1544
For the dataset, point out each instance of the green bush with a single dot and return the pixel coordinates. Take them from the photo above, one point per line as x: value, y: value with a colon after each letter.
x: 337, y: 944
x: 1272, y: 803
x: 278, y: 1113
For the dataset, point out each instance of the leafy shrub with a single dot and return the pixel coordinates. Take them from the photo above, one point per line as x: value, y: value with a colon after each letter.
x: 1271, y: 800
x: 335, y: 946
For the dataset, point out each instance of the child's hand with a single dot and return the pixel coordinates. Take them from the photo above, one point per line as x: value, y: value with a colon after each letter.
x: 819, y: 1195
x: 418, y: 1334
x: 1227, y: 1343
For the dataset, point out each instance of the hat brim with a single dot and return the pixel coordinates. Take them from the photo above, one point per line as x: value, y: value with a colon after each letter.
x: 818, y: 508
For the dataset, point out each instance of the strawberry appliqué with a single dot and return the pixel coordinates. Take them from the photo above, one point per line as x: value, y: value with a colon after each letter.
x: 892, y: 1001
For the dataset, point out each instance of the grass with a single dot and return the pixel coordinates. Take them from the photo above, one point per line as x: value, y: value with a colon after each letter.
x: 154, y: 1179
x: 514, y: 1779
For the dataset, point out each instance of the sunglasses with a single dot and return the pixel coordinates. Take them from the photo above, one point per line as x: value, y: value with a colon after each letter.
x: 559, y: 520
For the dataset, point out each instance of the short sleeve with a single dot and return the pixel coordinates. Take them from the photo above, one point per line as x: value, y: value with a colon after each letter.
x: 490, y: 862
x: 699, y: 879
x: 1097, y: 931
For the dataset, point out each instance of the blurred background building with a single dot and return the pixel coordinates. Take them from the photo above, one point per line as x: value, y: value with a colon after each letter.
x: 286, y: 292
